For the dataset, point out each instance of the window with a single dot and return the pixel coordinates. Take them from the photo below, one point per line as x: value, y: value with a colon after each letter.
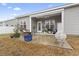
x: 47, y: 23
x: 11, y: 25
x: 50, y: 25
x: 6, y: 24
x: 39, y: 26
x: 24, y: 25
x: 21, y: 24
x: 0, y: 25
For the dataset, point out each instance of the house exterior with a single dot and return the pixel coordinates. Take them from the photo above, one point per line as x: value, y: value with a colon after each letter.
x: 60, y: 19
x: 1, y: 23
x: 9, y: 23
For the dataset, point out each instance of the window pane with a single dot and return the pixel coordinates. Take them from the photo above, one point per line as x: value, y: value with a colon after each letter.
x: 39, y: 28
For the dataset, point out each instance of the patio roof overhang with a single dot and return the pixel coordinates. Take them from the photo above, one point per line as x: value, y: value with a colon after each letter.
x: 48, y: 14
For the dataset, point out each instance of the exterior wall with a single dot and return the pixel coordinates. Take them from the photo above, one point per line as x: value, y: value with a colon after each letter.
x: 1, y: 23
x: 34, y: 25
x: 71, y: 20
x: 12, y: 22
x: 6, y: 30
x: 24, y: 19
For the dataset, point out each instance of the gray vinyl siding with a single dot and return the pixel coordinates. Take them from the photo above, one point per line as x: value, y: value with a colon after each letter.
x: 71, y: 20
x: 25, y: 19
x: 12, y: 22
x: 1, y: 23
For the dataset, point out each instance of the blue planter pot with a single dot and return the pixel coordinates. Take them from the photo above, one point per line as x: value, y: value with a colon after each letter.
x: 28, y: 37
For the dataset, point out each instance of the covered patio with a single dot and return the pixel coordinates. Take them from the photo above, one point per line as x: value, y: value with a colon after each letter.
x: 47, y: 23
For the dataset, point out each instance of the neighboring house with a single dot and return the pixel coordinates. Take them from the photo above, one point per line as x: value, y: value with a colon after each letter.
x: 60, y: 19
x: 9, y: 23
x: 8, y: 26
x: 1, y: 23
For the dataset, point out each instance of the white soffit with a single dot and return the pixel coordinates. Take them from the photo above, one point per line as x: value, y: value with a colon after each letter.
x: 47, y: 13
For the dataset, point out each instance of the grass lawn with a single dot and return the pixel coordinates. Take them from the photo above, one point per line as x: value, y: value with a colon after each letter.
x: 16, y: 47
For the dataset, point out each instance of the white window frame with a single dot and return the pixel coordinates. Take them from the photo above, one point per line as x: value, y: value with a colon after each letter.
x: 38, y: 25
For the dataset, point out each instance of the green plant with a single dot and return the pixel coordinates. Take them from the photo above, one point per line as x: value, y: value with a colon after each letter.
x: 47, y: 26
x: 16, y: 32
x: 45, y: 30
x: 16, y: 35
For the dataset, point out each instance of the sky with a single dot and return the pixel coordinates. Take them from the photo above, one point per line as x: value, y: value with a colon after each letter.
x: 11, y: 10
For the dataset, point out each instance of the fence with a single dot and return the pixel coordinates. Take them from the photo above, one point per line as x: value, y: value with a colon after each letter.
x: 6, y: 30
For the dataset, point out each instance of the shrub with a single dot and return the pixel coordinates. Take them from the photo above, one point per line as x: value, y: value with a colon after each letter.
x: 16, y: 35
